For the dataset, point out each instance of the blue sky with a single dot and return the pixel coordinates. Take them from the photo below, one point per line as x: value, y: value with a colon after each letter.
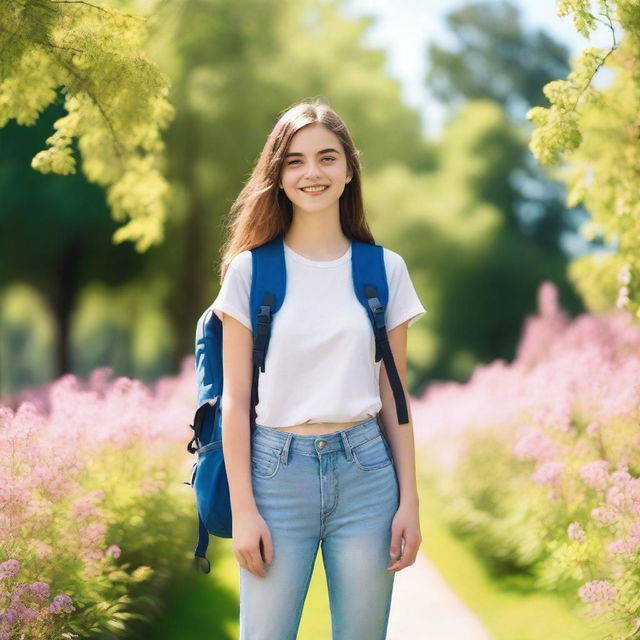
x: 404, y: 28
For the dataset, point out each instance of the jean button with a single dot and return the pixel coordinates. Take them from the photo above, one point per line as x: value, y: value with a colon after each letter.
x: 322, y: 444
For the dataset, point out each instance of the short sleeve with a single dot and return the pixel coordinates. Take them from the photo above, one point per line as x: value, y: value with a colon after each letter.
x: 233, y: 297
x: 403, y: 303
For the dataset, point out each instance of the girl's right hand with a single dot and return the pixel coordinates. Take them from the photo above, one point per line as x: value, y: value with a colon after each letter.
x: 251, y: 544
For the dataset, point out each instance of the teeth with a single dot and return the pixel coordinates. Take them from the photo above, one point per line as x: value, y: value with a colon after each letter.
x: 314, y: 189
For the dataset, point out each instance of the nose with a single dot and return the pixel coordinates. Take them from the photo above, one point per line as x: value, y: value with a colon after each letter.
x: 313, y: 170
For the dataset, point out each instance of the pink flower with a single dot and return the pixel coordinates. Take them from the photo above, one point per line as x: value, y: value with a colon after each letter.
x: 83, y: 508
x: 9, y: 569
x: 597, y: 591
x: 615, y: 496
x: 632, y: 494
x: 604, y: 515
x: 576, y: 532
x: 93, y: 533
x: 10, y: 616
x: 595, y: 473
x: 39, y: 590
x: 548, y: 306
x: 533, y: 444
x: 634, y: 529
x: 624, y: 274
x: 99, y: 379
x: 548, y: 473
x: 624, y: 545
x: 27, y: 614
x: 16, y: 595
x: 60, y: 603
x: 593, y: 428
x: 113, y: 551
x: 623, y: 297
x: 621, y: 476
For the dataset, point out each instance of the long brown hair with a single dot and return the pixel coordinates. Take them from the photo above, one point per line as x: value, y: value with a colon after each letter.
x: 262, y: 210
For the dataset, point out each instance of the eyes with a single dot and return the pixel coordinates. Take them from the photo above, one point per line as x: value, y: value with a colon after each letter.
x: 332, y: 158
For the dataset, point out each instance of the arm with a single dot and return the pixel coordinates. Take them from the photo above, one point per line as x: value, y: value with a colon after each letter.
x: 400, y: 437
x: 405, y: 528
x: 237, y: 345
x: 252, y: 544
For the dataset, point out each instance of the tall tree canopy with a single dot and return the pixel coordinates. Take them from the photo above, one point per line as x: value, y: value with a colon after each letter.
x: 114, y: 98
x: 494, y: 57
x: 232, y: 67
x: 591, y: 135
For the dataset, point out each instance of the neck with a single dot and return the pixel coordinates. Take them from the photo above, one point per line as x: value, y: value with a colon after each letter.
x: 317, y: 233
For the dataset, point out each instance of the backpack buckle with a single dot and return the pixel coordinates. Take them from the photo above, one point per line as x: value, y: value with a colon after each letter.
x: 377, y: 311
x: 375, y: 306
x: 264, y: 316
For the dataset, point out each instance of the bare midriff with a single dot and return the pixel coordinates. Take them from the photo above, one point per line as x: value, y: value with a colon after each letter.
x: 318, y: 428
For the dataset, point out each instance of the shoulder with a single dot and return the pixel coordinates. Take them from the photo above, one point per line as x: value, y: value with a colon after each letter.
x: 393, y: 261
x: 241, y: 263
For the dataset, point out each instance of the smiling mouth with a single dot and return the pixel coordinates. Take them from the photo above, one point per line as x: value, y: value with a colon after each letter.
x: 318, y: 189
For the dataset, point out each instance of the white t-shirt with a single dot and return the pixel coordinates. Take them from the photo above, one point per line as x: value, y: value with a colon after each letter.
x: 320, y: 360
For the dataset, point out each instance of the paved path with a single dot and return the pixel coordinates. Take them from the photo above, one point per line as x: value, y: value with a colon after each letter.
x: 425, y: 608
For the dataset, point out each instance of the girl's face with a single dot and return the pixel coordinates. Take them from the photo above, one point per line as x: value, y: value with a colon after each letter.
x: 315, y: 158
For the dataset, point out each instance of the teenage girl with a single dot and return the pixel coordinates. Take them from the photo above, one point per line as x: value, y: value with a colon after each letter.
x: 327, y: 462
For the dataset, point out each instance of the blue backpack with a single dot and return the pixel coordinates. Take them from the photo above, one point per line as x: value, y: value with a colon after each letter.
x: 268, y: 286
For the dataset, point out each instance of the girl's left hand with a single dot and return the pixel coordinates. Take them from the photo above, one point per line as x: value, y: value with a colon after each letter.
x: 405, y: 537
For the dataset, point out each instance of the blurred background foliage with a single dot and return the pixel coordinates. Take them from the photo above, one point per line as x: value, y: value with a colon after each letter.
x: 478, y: 222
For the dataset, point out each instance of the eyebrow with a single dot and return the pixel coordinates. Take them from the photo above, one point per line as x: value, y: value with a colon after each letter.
x: 297, y: 153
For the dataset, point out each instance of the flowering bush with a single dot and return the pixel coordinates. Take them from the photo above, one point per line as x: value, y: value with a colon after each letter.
x: 92, y: 502
x: 29, y: 607
x: 539, y: 459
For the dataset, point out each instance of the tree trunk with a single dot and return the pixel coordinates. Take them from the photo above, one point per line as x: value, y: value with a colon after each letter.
x: 62, y: 300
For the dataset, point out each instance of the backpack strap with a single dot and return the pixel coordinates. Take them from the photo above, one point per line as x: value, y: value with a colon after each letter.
x: 268, y: 287
x: 372, y: 290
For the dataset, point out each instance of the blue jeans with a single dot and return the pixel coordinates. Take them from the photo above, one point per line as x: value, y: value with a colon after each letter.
x: 339, y: 490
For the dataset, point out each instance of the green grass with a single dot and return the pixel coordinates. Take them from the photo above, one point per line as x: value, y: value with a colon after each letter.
x: 506, y: 612
x: 206, y: 606
x: 316, y: 616
x: 198, y: 605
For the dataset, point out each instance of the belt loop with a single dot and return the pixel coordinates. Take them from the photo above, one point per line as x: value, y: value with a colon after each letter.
x: 347, y: 446
x: 285, y: 449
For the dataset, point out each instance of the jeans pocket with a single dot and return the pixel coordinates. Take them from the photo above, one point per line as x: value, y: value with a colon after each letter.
x: 265, y: 461
x: 372, y: 454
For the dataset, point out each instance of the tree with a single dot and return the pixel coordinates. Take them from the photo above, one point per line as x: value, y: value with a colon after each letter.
x: 477, y: 274
x: 233, y: 67
x: 495, y: 58
x: 55, y: 232
x: 590, y: 135
x: 114, y: 98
